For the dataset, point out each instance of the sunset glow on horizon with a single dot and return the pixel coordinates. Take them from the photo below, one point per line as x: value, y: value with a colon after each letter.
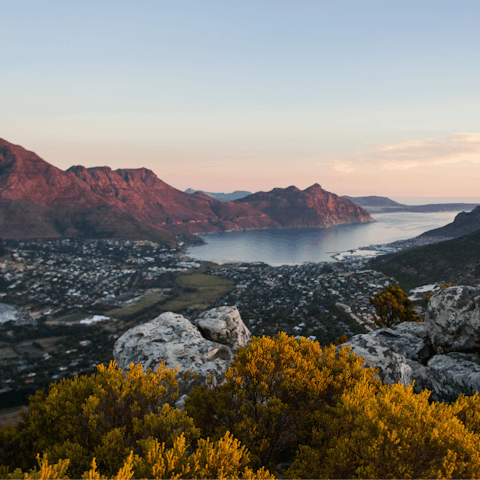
x: 365, y: 99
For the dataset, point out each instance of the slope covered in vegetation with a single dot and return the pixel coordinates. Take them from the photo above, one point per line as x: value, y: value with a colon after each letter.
x: 284, y: 401
x: 454, y: 261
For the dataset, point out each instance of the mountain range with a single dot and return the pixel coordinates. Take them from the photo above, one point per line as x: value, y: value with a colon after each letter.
x: 374, y: 204
x: 224, y: 197
x: 40, y: 200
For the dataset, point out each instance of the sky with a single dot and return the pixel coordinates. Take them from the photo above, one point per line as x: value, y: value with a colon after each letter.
x: 364, y: 98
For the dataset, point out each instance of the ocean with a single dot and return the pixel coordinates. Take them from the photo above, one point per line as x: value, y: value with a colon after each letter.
x: 295, y: 246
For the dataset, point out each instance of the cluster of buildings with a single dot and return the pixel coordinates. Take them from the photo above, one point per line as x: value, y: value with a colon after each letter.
x: 55, y: 277
x: 321, y: 301
x: 45, y: 284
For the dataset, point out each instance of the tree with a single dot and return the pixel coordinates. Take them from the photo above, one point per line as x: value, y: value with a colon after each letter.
x: 393, y: 307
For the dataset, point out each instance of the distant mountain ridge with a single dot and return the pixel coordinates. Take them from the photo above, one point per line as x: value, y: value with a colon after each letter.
x: 455, y: 261
x: 102, y: 201
x: 374, y: 201
x: 464, y: 223
x: 375, y: 204
x: 223, y: 197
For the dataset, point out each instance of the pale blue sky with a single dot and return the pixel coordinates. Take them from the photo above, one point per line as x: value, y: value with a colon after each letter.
x: 224, y: 95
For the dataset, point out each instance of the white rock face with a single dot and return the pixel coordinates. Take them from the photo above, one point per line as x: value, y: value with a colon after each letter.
x: 453, y: 319
x: 176, y: 341
x: 224, y: 325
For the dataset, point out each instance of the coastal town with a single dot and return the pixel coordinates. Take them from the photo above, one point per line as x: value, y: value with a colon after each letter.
x: 65, y: 302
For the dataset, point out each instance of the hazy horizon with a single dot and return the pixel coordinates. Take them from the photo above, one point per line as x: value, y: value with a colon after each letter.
x: 371, y: 98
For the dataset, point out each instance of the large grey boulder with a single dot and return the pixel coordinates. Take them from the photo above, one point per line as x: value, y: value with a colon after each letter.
x: 392, y: 367
x: 453, y: 319
x: 461, y: 369
x: 395, y: 353
x: 441, y: 385
x: 435, y: 355
x: 224, y: 325
x: 410, y: 339
x: 173, y: 339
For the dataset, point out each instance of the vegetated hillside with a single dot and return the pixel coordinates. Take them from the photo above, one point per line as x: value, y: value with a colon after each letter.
x: 454, y: 261
x: 463, y: 224
x: 141, y: 195
x: 224, y: 197
x: 23, y: 219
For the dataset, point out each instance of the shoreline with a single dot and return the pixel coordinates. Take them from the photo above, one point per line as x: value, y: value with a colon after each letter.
x: 385, y: 248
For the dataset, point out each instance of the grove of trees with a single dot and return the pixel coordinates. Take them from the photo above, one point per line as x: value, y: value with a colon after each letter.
x: 316, y: 411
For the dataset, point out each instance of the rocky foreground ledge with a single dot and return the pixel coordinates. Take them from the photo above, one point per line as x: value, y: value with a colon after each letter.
x: 206, y: 346
x: 441, y: 354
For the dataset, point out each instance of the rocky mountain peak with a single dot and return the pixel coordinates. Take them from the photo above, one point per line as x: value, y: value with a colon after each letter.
x: 24, y: 176
x: 315, y: 189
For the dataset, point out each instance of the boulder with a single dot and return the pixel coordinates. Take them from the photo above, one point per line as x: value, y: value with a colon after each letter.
x: 392, y: 367
x: 410, y: 339
x: 453, y: 319
x: 389, y: 352
x: 176, y: 341
x: 462, y: 371
x: 437, y: 354
x: 438, y: 382
x: 224, y: 325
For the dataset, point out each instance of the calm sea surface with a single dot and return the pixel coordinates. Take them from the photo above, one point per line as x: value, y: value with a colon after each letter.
x: 295, y: 246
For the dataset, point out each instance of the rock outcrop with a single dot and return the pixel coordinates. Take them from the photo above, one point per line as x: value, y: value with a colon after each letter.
x: 453, y: 320
x: 25, y: 177
x: 173, y: 339
x: 441, y: 354
x: 224, y: 325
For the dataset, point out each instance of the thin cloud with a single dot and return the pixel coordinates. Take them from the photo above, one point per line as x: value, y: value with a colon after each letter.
x: 407, y: 155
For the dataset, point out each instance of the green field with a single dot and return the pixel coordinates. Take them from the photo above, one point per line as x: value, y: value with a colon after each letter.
x: 147, y: 301
x: 190, y: 290
x: 198, y: 291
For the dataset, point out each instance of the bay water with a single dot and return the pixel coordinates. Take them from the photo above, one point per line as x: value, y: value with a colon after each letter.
x: 298, y: 245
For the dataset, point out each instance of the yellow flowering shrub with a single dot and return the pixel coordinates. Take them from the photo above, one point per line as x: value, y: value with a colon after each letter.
x: 221, y: 459
x: 102, y: 416
x: 388, y: 433
x: 274, y: 391
x: 467, y: 409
